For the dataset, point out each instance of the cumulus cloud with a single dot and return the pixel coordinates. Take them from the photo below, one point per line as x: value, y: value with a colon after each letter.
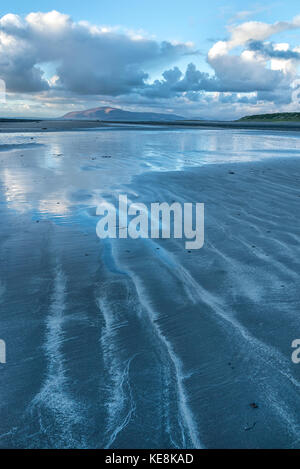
x: 88, y: 59
x: 232, y: 74
x: 266, y: 68
x: 245, y: 73
x: 251, y: 31
x: 111, y: 63
x: 272, y: 51
x: 174, y: 82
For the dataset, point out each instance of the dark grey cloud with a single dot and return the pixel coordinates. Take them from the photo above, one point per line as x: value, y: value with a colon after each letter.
x: 269, y: 50
x: 234, y: 98
x: 280, y: 97
x: 232, y: 74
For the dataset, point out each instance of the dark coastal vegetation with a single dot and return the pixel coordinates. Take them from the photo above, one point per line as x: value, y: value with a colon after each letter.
x: 277, y: 117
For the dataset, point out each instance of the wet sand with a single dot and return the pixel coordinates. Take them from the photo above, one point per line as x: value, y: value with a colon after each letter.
x: 12, y: 126
x: 233, y: 306
x: 140, y: 343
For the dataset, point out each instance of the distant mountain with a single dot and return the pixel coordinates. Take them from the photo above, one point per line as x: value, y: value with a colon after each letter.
x: 278, y: 117
x: 115, y: 114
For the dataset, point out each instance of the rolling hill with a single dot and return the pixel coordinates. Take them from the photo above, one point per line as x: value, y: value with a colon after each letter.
x: 115, y: 114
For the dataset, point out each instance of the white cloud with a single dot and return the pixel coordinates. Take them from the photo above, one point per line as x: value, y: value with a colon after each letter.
x: 267, y: 68
x: 85, y: 61
x: 90, y: 59
x: 257, y: 30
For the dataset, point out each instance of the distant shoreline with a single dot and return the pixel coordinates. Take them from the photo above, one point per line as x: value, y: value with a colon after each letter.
x: 40, y: 125
x: 218, y: 124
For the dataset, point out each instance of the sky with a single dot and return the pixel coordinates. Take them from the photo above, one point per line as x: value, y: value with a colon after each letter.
x: 212, y: 60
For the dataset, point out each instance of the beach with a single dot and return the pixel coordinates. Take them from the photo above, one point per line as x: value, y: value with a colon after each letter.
x: 120, y: 342
x: 64, y: 125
